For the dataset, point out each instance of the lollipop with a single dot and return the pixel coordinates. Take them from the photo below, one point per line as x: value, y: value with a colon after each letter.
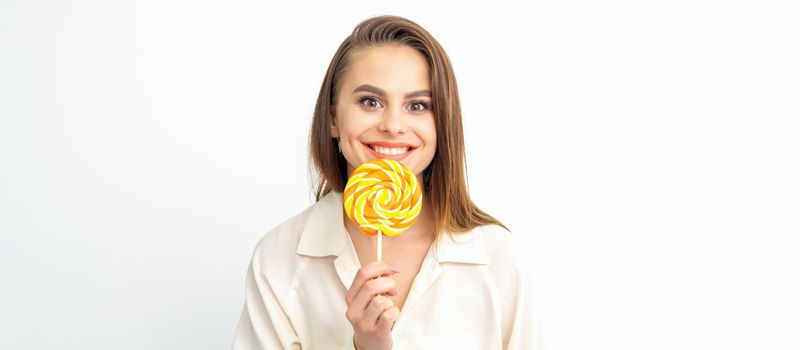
x: 383, y: 197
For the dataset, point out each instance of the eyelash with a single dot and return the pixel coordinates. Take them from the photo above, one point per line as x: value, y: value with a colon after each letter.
x: 425, y: 105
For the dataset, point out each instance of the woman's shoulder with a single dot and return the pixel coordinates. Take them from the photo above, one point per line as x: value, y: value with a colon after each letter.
x: 498, y: 240
x: 505, y: 250
x: 280, y: 242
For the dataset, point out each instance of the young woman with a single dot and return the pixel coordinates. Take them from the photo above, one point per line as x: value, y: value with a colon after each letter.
x: 452, y: 280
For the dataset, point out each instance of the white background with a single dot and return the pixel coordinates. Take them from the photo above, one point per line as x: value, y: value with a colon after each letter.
x: 646, y: 151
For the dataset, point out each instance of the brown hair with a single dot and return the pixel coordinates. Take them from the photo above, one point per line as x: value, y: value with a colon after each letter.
x: 444, y: 179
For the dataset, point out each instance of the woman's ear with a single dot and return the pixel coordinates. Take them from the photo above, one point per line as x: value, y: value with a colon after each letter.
x: 334, y: 128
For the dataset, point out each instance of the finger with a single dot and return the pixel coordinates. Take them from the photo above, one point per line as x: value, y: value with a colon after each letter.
x: 375, y: 309
x: 371, y: 289
x: 366, y: 273
x: 387, y: 319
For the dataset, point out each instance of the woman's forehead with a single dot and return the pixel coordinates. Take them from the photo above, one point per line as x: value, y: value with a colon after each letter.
x: 394, y: 69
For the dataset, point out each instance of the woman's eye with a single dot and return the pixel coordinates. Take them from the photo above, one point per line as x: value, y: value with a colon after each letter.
x: 369, y: 102
x: 419, y: 106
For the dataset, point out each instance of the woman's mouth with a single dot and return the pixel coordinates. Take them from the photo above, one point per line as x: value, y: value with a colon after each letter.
x: 396, y: 153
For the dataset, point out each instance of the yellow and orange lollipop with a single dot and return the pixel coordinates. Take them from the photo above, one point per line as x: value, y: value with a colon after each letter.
x: 382, y: 196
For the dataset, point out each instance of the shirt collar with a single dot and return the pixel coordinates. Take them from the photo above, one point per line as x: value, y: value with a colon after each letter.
x: 324, y: 234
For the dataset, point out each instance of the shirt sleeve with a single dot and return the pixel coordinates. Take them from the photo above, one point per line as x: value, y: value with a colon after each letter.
x: 263, y: 323
x: 524, y: 331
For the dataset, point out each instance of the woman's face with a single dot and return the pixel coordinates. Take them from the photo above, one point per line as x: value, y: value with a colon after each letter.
x: 383, y: 109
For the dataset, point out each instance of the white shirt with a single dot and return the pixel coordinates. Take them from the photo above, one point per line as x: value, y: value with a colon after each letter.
x: 471, y: 292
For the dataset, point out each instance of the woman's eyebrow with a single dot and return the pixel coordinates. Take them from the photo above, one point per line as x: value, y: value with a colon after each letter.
x: 379, y: 92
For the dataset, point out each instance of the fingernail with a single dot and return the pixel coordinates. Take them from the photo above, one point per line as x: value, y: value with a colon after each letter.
x: 394, y: 269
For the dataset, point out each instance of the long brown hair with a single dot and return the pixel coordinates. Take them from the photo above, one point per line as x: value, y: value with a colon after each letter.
x: 444, y: 179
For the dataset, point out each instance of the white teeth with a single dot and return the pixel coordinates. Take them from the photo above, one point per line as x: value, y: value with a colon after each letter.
x: 390, y: 151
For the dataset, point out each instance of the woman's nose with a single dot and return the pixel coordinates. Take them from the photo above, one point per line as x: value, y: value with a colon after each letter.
x: 393, y: 121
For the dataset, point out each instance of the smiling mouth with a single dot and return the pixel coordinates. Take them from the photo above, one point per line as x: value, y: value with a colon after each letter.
x: 394, y: 151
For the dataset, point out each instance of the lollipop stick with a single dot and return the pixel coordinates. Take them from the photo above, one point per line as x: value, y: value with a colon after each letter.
x: 379, y: 244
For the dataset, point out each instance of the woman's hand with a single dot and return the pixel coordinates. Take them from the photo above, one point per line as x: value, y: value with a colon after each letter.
x: 372, y: 314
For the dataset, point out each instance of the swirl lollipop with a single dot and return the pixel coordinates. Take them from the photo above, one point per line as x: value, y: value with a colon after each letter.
x: 383, y: 197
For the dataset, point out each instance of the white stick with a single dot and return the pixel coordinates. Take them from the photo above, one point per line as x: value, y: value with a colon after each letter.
x: 379, y: 244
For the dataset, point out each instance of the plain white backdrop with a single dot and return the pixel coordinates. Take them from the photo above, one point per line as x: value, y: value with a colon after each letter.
x: 648, y: 153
